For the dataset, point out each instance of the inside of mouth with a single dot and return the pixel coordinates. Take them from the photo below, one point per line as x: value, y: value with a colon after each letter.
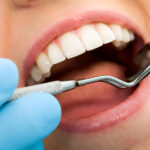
x: 71, y: 68
x: 97, y: 97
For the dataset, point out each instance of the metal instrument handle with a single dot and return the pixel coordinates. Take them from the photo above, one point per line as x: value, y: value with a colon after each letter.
x: 51, y: 88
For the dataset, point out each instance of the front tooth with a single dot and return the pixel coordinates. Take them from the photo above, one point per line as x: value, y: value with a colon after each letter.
x: 36, y: 74
x: 117, y: 30
x: 105, y: 33
x: 71, y: 45
x: 54, y: 53
x: 90, y: 37
x: 131, y: 36
x: 126, y: 36
x: 43, y: 63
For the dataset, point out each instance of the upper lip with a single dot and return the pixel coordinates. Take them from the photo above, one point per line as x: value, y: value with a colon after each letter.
x: 69, y: 24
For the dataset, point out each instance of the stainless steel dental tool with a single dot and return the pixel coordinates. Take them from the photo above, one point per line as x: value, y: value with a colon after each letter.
x: 57, y: 87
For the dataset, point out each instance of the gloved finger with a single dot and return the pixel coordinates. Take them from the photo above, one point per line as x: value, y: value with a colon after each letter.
x: 26, y: 121
x: 8, y: 79
x: 37, y: 146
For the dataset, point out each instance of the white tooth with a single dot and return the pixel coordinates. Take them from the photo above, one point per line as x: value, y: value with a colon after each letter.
x: 105, y: 33
x: 43, y: 63
x: 119, y: 44
x: 30, y: 81
x: 126, y: 36
x: 47, y: 75
x: 131, y: 36
x: 36, y: 74
x: 117, y: 30
x: 71, y: 45
x: 90, y: 37
x: 54, y: 53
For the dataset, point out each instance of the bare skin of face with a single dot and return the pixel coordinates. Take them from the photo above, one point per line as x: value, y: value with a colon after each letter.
x: 24, y: 22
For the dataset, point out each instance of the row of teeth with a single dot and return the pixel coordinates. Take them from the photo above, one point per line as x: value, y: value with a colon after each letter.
x: 75, y: 43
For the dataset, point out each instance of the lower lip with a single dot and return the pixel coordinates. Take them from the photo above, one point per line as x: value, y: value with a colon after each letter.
x: 110, y: 117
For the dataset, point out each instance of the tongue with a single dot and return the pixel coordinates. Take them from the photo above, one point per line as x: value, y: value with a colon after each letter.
x: 96, y: 97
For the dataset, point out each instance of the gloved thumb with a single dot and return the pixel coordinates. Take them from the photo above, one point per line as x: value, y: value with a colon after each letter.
x: 28, y: 120
x: 8, y: 79
x: 37, y: 146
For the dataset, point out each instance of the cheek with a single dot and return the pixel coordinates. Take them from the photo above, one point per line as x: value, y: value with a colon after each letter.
x: 4, y: 30
x: 25, y: 3
x: 145, y: 4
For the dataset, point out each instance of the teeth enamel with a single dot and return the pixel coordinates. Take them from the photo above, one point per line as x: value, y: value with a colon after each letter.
x: 105, y: 33
x: 36, y: 74
x: 119, y: 44
x: 131, y: 36
x: 71, y: 45
x: 74, y: 43
x: 123, y: 36
x: 117, y: 30
x: 43, y: 63
x: 90, y: 37
x: 55, y: 55
x: 126, y: 35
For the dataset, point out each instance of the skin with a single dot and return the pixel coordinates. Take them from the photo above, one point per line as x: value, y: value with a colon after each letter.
x: 22, y: 21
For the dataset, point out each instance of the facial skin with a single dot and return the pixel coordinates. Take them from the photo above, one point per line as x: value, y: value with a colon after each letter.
x: 22, y: 22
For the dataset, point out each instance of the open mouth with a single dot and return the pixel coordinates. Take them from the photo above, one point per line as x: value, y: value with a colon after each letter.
x: 82, y: 41
x: 92, y: 50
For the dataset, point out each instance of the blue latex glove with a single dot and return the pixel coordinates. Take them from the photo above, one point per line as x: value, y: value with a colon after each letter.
x: 25, y: 122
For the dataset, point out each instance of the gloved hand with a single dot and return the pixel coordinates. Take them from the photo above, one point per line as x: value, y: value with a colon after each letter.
x: 24, y: 122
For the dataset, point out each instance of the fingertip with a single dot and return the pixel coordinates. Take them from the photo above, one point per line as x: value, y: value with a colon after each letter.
x: 46, y: 111
x: 54, y: 112
x: 8, y: 79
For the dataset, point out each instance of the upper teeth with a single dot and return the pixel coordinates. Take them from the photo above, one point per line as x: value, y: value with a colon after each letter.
x: 55, y: 54
x: 77, y: 42
x: 105, y: 33
x: 90, y: 37
x: 43, y: 63
x: 71, y: 45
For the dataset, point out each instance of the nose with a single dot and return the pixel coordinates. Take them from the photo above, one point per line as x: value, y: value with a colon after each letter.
x: 4, y: 27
